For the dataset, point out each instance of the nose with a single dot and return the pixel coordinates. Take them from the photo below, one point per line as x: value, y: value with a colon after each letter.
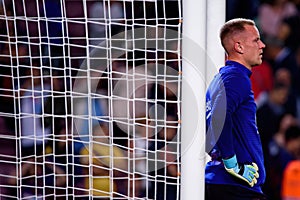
x: 262, y: 45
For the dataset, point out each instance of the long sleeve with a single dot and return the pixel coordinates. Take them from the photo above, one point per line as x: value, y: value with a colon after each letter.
x: 235, y: 87
x: 231, y: 125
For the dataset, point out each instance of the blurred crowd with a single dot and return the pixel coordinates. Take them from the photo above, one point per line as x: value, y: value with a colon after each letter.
x: 44, y: 55
x: 120, y: 138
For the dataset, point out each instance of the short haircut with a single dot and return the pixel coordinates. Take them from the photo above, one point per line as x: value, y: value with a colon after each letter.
x: 234, y: 26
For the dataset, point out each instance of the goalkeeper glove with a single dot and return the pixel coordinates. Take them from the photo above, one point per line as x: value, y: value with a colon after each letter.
x: 245, y: 172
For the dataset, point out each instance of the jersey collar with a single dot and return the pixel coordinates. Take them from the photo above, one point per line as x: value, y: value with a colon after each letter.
x: 240, y: 66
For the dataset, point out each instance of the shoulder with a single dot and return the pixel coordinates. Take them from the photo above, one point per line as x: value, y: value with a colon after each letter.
x: 235, y: 77
x: 236, y: 84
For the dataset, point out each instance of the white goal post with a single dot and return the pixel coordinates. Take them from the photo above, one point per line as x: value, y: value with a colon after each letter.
x: 202, y: 55
x: 104, y: 99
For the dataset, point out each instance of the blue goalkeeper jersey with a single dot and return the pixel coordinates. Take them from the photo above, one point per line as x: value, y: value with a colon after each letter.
x: 231, y: 125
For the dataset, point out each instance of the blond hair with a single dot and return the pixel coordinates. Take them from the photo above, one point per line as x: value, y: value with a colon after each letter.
x: 232, y: 27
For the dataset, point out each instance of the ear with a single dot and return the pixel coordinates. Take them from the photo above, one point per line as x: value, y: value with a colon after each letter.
x: 238, y: 47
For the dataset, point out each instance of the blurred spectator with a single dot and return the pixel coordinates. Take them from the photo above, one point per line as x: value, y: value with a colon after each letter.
x: 103, y: 161
x: 82, y: 109
x: 134, y: 184
x: 166, y: 90
x: 279, y: 56
x: 8, y: 82
x: 281, y: 150
x: 270, y: 113
x: 291, y: 181
x: 244, y: 9
x: 286, y: 122
x: 297, y: 3
x: 107, y: 18
x: 283, y: 76
x: 292, y: 141
x: 33, y: 133
x: 261, y: 80
x: 63, y: 150
x: 162, y: 162
x: 37, y: 178
x: 57, y: 105
x: 52, y: 33
x: 289, y: 31
x: 270, y: 15
x: 132, y: 86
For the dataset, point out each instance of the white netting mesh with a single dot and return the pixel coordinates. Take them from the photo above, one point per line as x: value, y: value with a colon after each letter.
x: 90, y: 99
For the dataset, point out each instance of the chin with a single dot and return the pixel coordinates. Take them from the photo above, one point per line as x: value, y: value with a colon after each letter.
x: 258, y: 63
x: 255, y: 65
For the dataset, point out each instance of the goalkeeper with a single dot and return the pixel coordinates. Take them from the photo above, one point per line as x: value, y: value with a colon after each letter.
x: 236, y: 170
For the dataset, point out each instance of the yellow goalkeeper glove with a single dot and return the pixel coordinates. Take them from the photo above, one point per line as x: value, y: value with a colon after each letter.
x: 245, y: 172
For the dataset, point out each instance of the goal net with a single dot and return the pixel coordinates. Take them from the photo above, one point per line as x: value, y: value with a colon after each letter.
x: 90, y: 95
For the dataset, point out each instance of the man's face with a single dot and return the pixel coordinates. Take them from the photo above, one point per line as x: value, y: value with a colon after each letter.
x: 253, y: 46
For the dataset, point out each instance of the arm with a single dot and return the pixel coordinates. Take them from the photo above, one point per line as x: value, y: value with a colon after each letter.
x: 237, y: 90
x: 225, y: 103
